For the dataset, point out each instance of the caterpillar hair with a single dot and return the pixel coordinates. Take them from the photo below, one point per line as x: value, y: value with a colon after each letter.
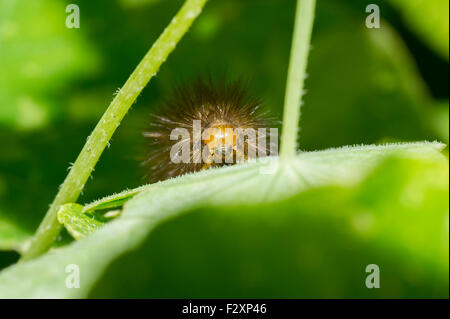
x: 220, y: 107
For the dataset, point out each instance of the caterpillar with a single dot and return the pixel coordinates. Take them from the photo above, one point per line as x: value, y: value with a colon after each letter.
x: 206, y: 124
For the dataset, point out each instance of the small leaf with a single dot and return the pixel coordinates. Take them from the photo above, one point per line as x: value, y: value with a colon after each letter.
x: 112, y: 201
x: 76, y: 222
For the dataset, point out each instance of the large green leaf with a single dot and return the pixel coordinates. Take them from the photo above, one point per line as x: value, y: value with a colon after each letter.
x: 313, y: 245
x: 237, y: 185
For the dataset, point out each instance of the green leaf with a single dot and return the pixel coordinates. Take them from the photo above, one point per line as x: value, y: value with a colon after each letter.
x: 81, y: 221
x: 76, y: 222
x: 315, y: 244
x: 230, y: 186
x: 112, y: 201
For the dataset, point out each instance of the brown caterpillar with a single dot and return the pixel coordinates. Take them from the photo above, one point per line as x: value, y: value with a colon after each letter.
x: 225, y: 112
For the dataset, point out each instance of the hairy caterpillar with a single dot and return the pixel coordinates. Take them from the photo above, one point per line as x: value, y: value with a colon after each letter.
x: 218, y: 123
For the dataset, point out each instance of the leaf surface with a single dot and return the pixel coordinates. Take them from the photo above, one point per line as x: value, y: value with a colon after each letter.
x: 247, y: 184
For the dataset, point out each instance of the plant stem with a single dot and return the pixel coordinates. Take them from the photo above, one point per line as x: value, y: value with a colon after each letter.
x: 81, y: 170
x: 304, y: 18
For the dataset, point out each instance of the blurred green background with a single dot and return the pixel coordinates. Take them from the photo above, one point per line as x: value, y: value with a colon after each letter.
x: 364, y: 85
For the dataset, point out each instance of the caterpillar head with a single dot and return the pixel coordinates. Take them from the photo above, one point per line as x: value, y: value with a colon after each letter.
x: 224, y: 111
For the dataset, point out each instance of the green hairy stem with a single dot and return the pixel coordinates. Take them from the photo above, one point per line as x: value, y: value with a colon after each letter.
x: 304, y: 18
x: 82, y: 168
